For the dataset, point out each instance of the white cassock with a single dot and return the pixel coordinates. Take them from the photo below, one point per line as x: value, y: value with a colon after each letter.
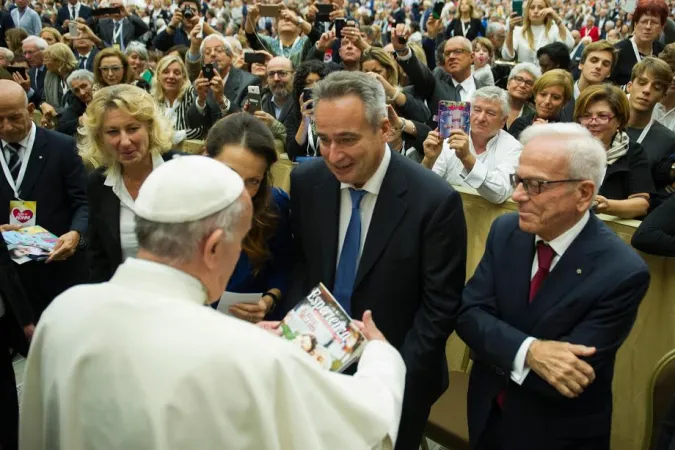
x: 141, y: 363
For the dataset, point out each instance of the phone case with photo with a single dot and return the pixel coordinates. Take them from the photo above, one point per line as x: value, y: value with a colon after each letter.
x: 453, y: 115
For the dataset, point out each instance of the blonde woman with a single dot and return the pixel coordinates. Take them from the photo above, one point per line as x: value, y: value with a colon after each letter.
x: 51, y: 35
x: 60, y: 63
x: 174, y: 94
x: 125, y: 137
x: 111, y: 67
x: 541, y: 26
x: 466, y: 23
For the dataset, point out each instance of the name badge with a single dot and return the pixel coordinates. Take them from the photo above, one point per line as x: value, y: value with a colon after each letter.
x: 22, y: 213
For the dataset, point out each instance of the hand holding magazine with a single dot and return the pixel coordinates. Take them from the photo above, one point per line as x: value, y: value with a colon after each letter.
x: 29, y: 244
x: 320, y: 326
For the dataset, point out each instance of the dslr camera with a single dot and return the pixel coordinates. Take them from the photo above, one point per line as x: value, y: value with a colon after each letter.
x: 188, y: 12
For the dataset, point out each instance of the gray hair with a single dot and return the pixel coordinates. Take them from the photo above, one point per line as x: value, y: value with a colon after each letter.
x: 589, y: 17
x: 178, y: 242
x: 9, y: 55
x: 216, y: 36
x: 234, y: 44
x: 610, y: 23
x: 586, y: 155
x: 139, y: 48
x: 494, y: 27
x: 493, y: 94
x: 80, y: 74
x: 369, y: 90
x: 38, y: 41
x: 525, y: 67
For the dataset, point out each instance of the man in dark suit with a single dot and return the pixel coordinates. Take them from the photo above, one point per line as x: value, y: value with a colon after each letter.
x: 43, y: 167
x: 119, y: 29
x: 33, y: 48
x: 552, y: 300
x: 71, y: 10
x: 382, y: 233
x: 16, y: 328
x: 85, y: 52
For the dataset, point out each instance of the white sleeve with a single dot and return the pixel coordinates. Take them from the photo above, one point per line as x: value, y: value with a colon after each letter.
x: 568, y: 41
x: 517, y: 33
x: 519, y: 371
x: 441, y: 165
x: 494, y: 185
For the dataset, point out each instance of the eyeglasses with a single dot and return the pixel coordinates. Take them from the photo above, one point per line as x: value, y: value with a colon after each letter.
x: 600, y: 119
x: 521, y: 80
x: 455, y: 52
x: 649, y: 23
x: 280, y: 73
x: 534, y: 187
x: 217, y: 50
x: 112, y: 69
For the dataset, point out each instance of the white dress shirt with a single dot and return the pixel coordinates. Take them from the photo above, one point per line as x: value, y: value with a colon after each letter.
x: 26, y: 145
x: 559, y: 245
x: 468, y: 87
x: 77, y: 10
x: 665, y: 118
x: 577, y: 91
x: 491, y: 172
x: 128, y: 240
x: 372, y: 187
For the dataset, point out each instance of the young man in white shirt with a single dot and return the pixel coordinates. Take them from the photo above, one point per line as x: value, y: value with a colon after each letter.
x: 485, y: 159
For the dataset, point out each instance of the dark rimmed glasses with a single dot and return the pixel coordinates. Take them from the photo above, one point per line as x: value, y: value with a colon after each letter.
x: 534, y: 187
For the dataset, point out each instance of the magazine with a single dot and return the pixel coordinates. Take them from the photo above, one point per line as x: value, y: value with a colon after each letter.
x: 453, y: 116
x: 29, y: 244
x: 320, y: 326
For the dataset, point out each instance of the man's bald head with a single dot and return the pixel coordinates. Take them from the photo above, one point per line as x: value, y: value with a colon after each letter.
x: 15, y: 112
x: 280, y: 77
x: 280, y: 62
x: 12, y: 94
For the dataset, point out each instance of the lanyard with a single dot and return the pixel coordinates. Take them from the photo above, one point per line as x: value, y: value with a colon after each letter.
x: 645, y: 131
x: 116, y: 35
x: 290, y: 49
x: 464, y: 30
x: 310, y: 139
x: 638, y: 57
x: 16, y: 187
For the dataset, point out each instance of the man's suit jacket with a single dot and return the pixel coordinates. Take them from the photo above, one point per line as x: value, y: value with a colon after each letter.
x: 132, y: 29
x: 268, y: 106
x: 37, y: 82
x: 104, y: 244
x: 6, y: 23
x: 55, y: 179
x: 89, y: 63
x: 64, y: 14
x: 236, y: 86
x: 591, y: 297
x: 431, y: 86
x: 411, y: 272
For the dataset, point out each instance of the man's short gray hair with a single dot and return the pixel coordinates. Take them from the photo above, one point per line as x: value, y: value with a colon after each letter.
x: 525, y: 67
x: 179, y: 242
x: 586, y: 154
x: 80, y: 74
x: 218, y: 37
x: 494, y: 27
x: 493, y: 94
x: 342, y: 84
x: 8, y: 54
x: 610, y: 23
x: 139, y: 48
x: 38, y: 41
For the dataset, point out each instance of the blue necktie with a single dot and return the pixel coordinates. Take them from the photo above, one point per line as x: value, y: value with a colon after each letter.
x: 345, y: 275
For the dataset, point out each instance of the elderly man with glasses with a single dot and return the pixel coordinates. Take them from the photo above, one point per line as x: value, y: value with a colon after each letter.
x: 553, y: 298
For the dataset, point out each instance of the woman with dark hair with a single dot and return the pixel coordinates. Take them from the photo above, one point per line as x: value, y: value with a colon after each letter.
x: 111, y: 67
x: 300, y: 136
x: 246, y: 145
x: 554, y: 56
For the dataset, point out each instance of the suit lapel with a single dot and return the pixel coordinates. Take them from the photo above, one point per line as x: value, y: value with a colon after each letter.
x: 38, y: 158
x: 326, y: 207
x: 518, y: 271
x: 389, y: 210
x: 110, y: 209
x: 232, y: 85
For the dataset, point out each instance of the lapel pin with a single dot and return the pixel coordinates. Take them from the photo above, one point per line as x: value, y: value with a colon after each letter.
x: 40, y: 157
x: 578, y: 271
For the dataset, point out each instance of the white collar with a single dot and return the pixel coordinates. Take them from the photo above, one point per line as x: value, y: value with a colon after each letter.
x: 491, y: 143
x: 159, y: 280
x: 563, y: 242
x: 467, y: 84
x: 577, y: 91
x: 76, y: 6
x: 114, y: 177
x: 374, y: 184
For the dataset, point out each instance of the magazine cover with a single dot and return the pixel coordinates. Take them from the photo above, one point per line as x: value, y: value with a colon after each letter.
x: 320, y: 326
x: 453, y: 115
x: 29, y: 244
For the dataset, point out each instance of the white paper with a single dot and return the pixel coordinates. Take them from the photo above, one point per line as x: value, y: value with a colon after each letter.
x: 230, y: 298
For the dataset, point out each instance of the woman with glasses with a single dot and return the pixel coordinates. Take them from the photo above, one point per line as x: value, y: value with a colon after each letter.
x: 624, y: 193
x: 137, y: 55
x: 551, y: 91
x: 649, y: 19
x: 541, y: 26
x: 246, y: 145
x: 519, y: 87
x: 111, y: 67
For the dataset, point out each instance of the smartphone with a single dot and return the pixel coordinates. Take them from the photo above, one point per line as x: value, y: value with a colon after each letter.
x: 105, y: 11
x: 72, y: 29
x: 21, y: 70
x: 269, y: 10
x: 438, y: 9
x: 517, y: 7
x: 307, y: 95
x: 253, y: 99
x: 339, y: 24
x: 402, y: 40
x: 251, y: 57
x: 208, y: 71
x: 324, y: 12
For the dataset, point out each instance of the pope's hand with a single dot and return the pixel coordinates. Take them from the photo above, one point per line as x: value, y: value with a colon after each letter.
x: 368, y: 328
x: 271, y: 326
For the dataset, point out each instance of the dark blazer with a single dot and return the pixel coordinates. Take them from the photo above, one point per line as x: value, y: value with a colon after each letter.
x: 268, y: 106
x: 132, y: 29
x: 55, y: 179
x: 629, y: 175
x: 522, y: 122
x: 430, y: 86
x: 105, y: 248
x: 591, y: 297
x: 411, y: 272
x: 656, y: 234
x: 6, y: 23
x: 89, y: 63
x: 64, y: 14
x: 37, y: 82
x: 475, y: 29
x: 70, y: 116
x: 626, y: 60
x: 236, y: 86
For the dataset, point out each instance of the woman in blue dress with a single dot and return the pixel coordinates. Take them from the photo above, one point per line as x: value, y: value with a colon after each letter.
x: 246, y: 145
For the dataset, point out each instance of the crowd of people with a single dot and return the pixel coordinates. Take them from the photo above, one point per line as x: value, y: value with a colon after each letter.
x: 571, y: 115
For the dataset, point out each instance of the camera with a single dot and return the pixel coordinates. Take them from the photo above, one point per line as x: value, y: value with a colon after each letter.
x: 188, y: 12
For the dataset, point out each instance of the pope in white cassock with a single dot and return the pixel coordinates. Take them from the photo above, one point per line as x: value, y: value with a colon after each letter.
x: 140, y: 362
